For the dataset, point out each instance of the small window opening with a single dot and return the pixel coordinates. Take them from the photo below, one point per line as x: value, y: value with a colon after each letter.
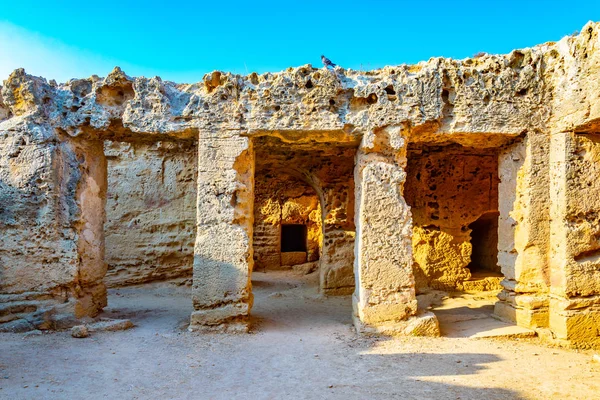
x: 293, y: 238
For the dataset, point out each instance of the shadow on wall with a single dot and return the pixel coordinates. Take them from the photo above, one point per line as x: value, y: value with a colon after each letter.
x: 221, y: 290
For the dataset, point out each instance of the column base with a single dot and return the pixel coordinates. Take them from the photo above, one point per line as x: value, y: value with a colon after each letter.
x: 90, y: 300
x: 340, y: 291
x: 226, y: 327
x: 525, y: 317
x: 576, y: 322
x: 423, y: 324
x: 230, y: 318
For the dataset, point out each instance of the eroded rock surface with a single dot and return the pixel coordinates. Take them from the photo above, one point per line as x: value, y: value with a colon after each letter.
x: 150, y: 211
x: 348, y: 133
x: 281, y: 199
x: 449, y: 188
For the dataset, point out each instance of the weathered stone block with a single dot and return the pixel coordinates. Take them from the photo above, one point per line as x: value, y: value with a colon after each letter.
x: 525, y: 317
x: 223, y: 253
x: 424, y: 324
x: 538, y: 106
x: 293, y: 258
x: 579, y: 328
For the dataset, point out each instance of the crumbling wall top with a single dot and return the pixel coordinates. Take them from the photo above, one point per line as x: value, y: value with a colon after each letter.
x: 520, y: 92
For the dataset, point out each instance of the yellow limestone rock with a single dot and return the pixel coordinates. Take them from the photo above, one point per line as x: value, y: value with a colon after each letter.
x: 358, y: 140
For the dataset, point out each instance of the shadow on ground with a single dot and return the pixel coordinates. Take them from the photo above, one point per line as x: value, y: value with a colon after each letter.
x: 304, y: 347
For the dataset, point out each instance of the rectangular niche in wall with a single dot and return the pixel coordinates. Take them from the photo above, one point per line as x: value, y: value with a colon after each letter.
x: 293, y: 244
x: 293, y: 238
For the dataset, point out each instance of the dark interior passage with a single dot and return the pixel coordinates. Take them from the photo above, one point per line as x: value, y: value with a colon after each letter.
x: 484, y: 239
x: 293, y: 237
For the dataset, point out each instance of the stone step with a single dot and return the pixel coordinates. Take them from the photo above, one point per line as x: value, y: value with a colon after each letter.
x: 18, y: 307
x: 484, y: 328
x: 448, y: 318
x: 13, y: 311
x: 482, y: 284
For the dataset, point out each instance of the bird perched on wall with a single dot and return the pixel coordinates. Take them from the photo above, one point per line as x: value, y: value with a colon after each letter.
x: 327, y: 62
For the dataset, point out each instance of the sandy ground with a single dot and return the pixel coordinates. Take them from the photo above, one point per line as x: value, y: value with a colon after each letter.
x: 303, y: 347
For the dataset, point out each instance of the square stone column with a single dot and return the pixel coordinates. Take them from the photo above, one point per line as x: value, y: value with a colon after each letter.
x: 223, y: 259
x: 90, y: 196
x: 337, y: 261
x: 384, y: 300
x: 524, y: 231
x: 575, y: 239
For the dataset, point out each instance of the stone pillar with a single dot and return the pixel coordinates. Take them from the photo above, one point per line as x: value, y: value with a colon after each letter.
x: 90, y: 197
x: 336, y: 266
x: 523, y: 232
x: 575, y: 239
x: 221, y: 290
x: 384, y: 300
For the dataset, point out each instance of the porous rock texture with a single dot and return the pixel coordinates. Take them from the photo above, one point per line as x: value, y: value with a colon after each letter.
x: 538, y: 107
x: 448, y: 188
x: 150, y: 211
x: 328, y: 169
x: 282, y: 199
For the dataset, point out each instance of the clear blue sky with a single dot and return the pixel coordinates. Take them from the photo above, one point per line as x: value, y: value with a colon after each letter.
x: 182, y: 40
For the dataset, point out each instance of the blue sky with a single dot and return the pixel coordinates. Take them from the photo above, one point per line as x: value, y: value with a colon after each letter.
x: 182, y: 40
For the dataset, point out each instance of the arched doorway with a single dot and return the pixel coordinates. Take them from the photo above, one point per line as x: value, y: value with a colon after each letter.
x: 287, y: 223
x: 303, y: 233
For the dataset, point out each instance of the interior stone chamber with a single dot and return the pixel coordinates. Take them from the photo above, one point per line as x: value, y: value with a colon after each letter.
x: 474, y: 174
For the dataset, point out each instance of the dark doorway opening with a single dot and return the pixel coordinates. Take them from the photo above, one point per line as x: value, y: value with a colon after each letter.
x: 484, y: 239
x: 293, y: 238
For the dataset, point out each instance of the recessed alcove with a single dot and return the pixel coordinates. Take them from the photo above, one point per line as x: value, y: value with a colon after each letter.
x: 293, y: 237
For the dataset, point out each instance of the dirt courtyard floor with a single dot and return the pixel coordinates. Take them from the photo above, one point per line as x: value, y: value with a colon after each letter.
x: 303, y: 347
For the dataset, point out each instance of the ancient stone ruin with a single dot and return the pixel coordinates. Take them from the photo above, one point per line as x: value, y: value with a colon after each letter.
x: 467, y: 174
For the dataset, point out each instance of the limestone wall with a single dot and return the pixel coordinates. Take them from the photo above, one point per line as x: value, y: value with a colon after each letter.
x: 575, y: 238
x: 283, y: 199
x: 52, y: 183
x: 448, y: 188
x: 524, y: 231
x: 150, y: 211
x: 328, y: 168
x: 51, y: 250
